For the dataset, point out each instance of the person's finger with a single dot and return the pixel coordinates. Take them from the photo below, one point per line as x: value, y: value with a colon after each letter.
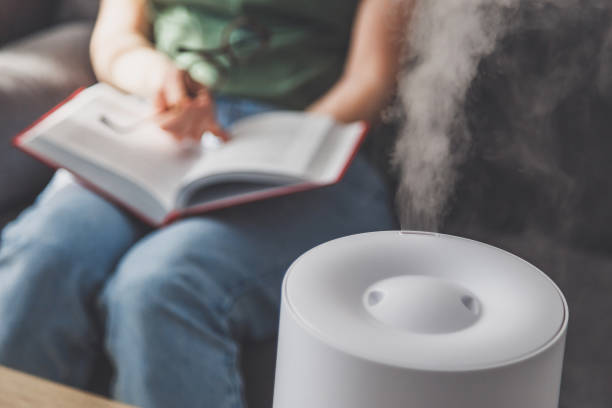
x: 159, y: 101
x: 191, y: 123
x: 175, y: 90
x: 194, y: 88
x: 207, y: 122
x: 191, y: 119
x: 218, y: 131
x: 195, y: 130
x: 175, y: 123
x: 205, y: 103
x: 211, y: 125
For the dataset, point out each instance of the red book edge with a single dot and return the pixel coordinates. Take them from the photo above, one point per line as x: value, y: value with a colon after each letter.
x: 177, y: 214
x: 17, y: 139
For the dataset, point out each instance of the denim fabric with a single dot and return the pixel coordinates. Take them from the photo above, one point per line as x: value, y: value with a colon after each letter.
x: 169, y: 307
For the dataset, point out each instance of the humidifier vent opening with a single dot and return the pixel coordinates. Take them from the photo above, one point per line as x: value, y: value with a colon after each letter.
x: 422, y: 304
x: 374, y: 297
x: 471, y: 304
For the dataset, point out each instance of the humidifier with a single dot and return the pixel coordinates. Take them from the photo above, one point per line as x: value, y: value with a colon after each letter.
x: 418, y: 320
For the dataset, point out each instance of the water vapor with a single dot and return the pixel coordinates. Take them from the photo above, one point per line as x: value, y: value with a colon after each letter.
x: 446, y: 41
x: 447, y: 44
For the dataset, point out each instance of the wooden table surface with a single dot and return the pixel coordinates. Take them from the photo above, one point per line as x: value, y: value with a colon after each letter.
x: 19, y: 390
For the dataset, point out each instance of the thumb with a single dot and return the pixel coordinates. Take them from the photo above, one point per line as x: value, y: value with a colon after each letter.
x: 175, y: 89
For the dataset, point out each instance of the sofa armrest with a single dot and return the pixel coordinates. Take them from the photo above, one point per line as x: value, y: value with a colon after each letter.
x: 38, y: 72
x: 21, y: 17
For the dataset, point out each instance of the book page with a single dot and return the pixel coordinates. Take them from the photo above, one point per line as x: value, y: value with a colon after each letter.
x: 275, y: 144
x: 133, y: 147
x: 334, y: 153
x: 132, y: 195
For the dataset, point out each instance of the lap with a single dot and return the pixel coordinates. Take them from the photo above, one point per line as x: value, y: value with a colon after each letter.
x: 238, y: 256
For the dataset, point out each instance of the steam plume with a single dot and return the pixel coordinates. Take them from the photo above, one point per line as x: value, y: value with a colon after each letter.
x: 447, y: 40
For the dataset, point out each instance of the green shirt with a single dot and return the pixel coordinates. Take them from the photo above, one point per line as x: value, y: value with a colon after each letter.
x: 305, y: 53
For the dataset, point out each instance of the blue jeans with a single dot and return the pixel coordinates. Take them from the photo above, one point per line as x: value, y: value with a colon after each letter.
x: 168, y: 307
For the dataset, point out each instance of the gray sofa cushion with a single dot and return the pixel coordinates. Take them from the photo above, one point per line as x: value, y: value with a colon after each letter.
x: 19, y: 17
x: 70, y: 10
x: 37, y: 73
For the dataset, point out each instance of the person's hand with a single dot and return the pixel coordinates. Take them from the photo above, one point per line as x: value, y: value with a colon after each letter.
x: 185, y: 108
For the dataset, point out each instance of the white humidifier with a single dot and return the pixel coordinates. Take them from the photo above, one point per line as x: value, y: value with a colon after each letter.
x: 418, y: 320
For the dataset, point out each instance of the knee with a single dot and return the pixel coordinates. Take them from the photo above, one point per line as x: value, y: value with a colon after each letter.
x: 144, y: 289
x: 31, y: 257
x: 43, y: 274
x: 151, y: 291
x: 72, y: 227
x: 38, y: 257
x: 136, y: 289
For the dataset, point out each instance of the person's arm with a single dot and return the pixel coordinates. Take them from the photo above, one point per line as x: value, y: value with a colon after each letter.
x: 123, y: 55
x: 372, y: 64
x: 121, y: 52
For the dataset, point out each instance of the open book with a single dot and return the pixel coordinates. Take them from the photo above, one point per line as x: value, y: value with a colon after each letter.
x: 106, y: 139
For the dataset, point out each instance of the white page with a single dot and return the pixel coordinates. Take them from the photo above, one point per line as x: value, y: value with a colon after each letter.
x: 132, y: 195
x: 281, y: 143
x: 146, y: 155
x: 335, y: 152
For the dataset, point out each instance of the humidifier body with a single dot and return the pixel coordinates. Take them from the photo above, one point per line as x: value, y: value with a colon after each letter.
x: 419, y: 320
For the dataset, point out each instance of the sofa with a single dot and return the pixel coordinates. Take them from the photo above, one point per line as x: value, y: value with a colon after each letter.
x: 44, y: 57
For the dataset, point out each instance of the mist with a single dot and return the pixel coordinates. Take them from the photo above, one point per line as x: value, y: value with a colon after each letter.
x: 475, y: 85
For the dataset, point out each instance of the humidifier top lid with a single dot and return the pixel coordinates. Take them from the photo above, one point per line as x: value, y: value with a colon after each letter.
x: 424, y: 301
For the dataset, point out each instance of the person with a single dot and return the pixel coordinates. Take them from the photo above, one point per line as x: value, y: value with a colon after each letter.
x: 169, y: 307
